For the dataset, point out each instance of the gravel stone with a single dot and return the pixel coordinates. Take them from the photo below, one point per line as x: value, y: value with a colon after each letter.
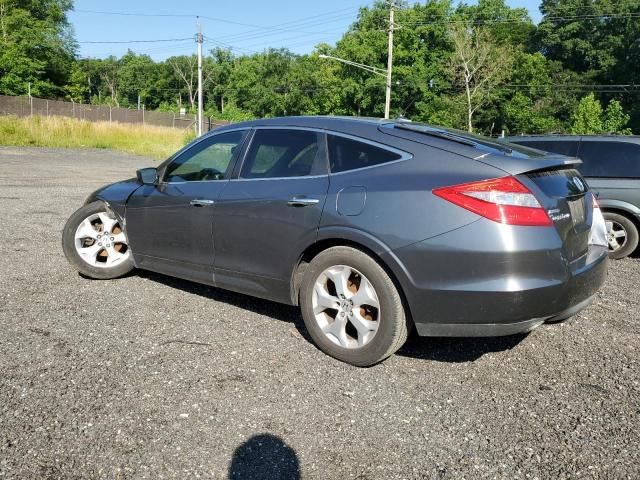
x: 154, y: 377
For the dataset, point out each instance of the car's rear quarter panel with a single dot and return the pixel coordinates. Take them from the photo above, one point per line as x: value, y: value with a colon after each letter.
x: 399, y: 208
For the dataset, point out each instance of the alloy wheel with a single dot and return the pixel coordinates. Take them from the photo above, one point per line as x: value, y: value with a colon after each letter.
x: 100, y: 241
x: 346, y: 306
x: 616, y: 235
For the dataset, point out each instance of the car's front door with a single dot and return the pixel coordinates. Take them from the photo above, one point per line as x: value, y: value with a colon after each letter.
x: 271, y: 211
x: 170, y: 225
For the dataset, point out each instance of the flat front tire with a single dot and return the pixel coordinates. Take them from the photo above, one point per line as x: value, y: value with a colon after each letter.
x: 95, y: 243
x: 352, y: 308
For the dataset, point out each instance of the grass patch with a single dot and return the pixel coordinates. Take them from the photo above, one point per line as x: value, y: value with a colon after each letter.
x: 63, y: 132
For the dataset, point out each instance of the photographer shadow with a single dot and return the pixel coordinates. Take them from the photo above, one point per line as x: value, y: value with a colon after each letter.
x: 264, y: 456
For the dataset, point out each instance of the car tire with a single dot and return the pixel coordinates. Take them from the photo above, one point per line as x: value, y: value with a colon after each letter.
x: 352, y: 308
x: 621, y: 226
x: 90, y: 250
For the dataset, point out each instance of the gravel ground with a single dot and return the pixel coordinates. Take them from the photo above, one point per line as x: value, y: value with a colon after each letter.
x: 152, y: 377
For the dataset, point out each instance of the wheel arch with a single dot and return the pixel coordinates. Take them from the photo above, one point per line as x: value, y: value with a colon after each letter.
x: 117, y: 210
x: 634, y: 219
x: 619, y: 206
x: 622, y: 208
x: 359, y: 241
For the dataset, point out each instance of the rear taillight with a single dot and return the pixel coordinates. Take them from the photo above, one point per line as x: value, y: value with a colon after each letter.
x: 595, y: 201
x: 504, y: 200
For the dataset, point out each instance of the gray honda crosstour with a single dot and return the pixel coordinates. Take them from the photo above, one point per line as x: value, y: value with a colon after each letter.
x: 372, y: 227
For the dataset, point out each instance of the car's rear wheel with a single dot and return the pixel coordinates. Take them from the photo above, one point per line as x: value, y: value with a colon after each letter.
x: 94, y: 241
x: 622, y: 235
x: 351, y: 307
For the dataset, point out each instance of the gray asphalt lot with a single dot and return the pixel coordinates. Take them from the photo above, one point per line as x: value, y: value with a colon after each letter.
x: 153, y: 377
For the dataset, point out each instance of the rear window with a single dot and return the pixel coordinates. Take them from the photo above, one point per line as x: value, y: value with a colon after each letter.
x: 347, y: 154
x: 610, y: 159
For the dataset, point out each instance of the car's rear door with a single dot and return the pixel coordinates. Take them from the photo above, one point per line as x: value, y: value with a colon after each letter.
x: 170, y: 225
x: 271, y: 210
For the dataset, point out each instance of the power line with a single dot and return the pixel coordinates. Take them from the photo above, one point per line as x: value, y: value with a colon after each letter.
x: 286, y: 39
x: 132, y: 14
x: 216, y: 19
x: 137, y: 41
x: 165, y: 15
x: 520, y: 20
x: 292, y: 25
x: 276, y: 29
x: 257, y: 31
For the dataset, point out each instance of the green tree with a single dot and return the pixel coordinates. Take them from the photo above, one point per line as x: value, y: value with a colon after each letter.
x: 587, y: 118
x: 78, y: 87
x: 524, y: 115
x: 36, y: 46
x: 508, y: 25
x: 597, y: 39
x: 615, y: 119
x: 221, y: 66
x: 137, y: 78
x: 593, y: 37
x: 109, y: 74
x: 478, y: 65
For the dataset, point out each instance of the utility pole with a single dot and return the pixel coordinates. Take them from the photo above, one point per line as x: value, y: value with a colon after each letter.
x: 30, y: 101
x: 200, y: 102
x: 387, y: 103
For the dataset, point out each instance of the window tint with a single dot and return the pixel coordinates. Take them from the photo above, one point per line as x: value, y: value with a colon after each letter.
x: 610, y: 159
x: 207, y: 160
x: 283, y: 153
x: 346, y: 154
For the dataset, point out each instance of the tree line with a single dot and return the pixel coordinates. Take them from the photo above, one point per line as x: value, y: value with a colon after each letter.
x: 484, y: 67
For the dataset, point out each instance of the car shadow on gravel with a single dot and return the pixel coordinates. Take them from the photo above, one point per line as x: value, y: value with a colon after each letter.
x: 277, y: 311
x: 457, y: 350
x: 450, y: 350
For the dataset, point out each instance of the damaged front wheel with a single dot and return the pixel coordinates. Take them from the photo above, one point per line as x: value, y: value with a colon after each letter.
x: 94, y: 241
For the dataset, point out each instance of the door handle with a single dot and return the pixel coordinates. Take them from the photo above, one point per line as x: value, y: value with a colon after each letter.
x: 302, y: 201
x: 198, y: 202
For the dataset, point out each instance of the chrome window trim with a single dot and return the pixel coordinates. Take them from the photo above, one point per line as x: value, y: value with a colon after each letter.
x: 195, y: 181
x: 277, y: 178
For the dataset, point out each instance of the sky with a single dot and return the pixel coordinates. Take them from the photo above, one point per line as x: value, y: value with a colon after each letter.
x: 247, y: 26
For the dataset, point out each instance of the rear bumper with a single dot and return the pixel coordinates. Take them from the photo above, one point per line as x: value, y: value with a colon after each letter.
x: 495, y: 329
x: 484, y: 290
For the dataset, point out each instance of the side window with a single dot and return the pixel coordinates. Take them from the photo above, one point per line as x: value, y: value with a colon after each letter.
x: 610, y: 159
x: 278, y: 153
x: 346, y: 154
x: 208, y: 160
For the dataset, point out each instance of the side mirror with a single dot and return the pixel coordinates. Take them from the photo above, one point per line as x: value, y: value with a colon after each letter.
x: 147, y: 176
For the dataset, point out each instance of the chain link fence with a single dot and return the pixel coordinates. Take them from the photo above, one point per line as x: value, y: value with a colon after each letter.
x: 27, y: 106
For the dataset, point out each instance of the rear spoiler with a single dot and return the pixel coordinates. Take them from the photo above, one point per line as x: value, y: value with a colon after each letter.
x: 516, y: 166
